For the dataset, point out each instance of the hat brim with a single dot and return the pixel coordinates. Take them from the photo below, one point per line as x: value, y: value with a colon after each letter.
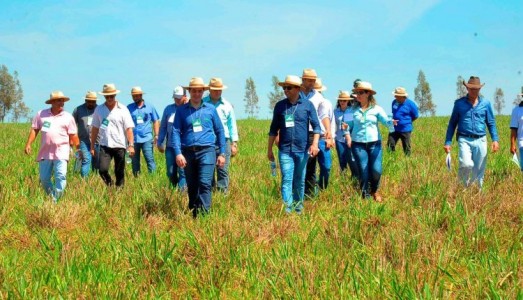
x: 217, y: 88
x: 309, y: 77
x: 91, y: 99
x: 49, y: 101
x: 204, y: 87
x: 344, y: 99
x: 400, y: 95
x: 360, y: 89
x: 288, y: 83
x: 109, y: 94
x: 140, y: 93
x: 473, y: 86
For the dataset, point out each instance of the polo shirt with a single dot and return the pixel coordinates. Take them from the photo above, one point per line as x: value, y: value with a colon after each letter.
x: 112, y: 125
x: 55, y: 131
x: 143, y: 118
x: 405, y: 113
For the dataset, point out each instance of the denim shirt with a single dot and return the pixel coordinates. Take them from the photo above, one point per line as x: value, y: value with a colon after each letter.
x: 295, y: 138
x: 364, y: 125
x: 472, y: 120
x: 226, y: 113
x: 405, y: 113
x: 166, y: 125
x: 342, y: 117
x: 211, y: 133
x: 143, y: 118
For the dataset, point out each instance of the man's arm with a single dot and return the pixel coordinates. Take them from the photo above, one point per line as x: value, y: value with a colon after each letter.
x: 94, y: 136
x: 32, y: 136
x: 130, y: 140
x: 156, y: 129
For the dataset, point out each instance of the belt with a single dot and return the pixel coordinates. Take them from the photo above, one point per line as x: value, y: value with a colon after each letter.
x: 472, y: 136
x: 195, y: 148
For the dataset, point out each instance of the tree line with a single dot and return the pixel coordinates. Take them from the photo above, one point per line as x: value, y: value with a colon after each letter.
x: 12, y: 104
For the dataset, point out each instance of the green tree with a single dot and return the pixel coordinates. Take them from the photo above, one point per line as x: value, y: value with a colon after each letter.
x: 11, y: 94
x: 461, y: 90
x: 251, y: 98
x: 518, y: 98
x: 499, y: 100
x: 424, y: 96
x: 277, y: 93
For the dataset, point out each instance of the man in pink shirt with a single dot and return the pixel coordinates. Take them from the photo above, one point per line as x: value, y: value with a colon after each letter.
x: 58, y: 133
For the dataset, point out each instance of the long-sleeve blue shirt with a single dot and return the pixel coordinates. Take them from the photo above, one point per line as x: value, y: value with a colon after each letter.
x: 294, y: 138
x: 209, y: 133
x: 405, y: 113
x: 472, y: 120
x: 166, y: 125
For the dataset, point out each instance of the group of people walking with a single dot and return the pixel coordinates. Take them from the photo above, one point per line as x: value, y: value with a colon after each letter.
x: 199, y: 135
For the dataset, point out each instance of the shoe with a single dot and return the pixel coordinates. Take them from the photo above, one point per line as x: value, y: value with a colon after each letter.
x: 377, y: 197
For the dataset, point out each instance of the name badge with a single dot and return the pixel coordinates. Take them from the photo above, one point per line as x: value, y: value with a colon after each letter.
x: 395, y: 106
x: 197, y: 125
x: 139, y: 120
x: 171, y: 119
x: 105, y: 123
x: 289, y: 120
x: 46, y: 127
x: 89, y: 121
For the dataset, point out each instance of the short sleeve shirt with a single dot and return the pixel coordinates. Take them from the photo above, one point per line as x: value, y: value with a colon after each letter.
x: 112, y: 125
x: 55, y: 131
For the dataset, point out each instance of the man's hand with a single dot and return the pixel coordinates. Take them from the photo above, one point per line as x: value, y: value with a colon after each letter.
x: 180, y: 161
x: 131, y: 151
x: 220, y: 161
x: 495, y: 147
x: 447, y: 148
x: 270, y: 155
x: 161, y: 149
x: 28, y: 149
x: 513, y: 149
x: 313, y: 150
x: 234, y: 149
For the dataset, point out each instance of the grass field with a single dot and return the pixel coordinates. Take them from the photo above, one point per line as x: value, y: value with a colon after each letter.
x: 431, y: 238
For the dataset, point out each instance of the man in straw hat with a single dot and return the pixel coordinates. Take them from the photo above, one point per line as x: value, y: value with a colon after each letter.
x: 113, y: 127
x: 146, y: 127
x: 58, y: 135
x: 83, y: 116
x: 325, y: 143
x: 290, y: 120
x: 226, y: 113
x: 516, y: 130
x: 472, y: 115
x: 175, y: 174
x: 308, y: 92
x: 404, y: 111
x: 197, y: 132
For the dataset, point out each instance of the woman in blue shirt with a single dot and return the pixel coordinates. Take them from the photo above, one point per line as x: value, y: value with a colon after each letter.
x: 343, y: 114
x: 366, y: 139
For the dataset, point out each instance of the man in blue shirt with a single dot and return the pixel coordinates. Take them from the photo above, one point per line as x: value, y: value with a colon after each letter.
x: 291, y: 118
x: 405, y: 111
x: 197, y: 131
x: 176, y: 175
x: 472, y: 115
x: 145, y: 120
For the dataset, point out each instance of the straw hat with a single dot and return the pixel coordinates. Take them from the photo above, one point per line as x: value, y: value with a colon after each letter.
x: 309, y: 74
x: 400, y: 91
x: 195, y: 83
x: 216, y: 84
x: 56, y: 95
x: 291, y: 80
x: 364, y: 86
x: 344, y: 95
x: 109, y: 89
x: 91, y: 96
x: 474, y: 83
x: 137, y: 91
x: 318, y: 85
x: 178, y: 92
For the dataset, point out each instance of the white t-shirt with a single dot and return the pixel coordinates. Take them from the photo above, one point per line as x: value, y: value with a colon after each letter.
x: 112, y: 125
x: 516, y: 121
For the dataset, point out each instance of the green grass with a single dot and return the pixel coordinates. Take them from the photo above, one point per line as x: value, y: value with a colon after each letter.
x: 431, y: 238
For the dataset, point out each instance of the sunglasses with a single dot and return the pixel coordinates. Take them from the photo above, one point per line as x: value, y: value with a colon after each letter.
x: 361, y: 92
x: 287, y: 88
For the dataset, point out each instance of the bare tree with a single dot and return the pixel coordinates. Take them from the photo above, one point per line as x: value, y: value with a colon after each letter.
x: 277, y: 93
x: 499, y: 100
x: 461, y: 90
x: 251, y: 98
x: 424, y: 96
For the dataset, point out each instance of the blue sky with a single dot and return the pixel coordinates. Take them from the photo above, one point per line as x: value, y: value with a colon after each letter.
x: 76, y: 46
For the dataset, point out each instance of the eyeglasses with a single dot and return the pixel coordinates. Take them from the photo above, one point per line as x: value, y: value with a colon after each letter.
x: 361, y: 92
x: 287, y: 88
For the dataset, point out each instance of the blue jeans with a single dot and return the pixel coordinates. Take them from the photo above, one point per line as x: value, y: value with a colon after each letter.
x: 88, y: 163
x: 221, y: 180
x: 292, y: 166
x: 175, y: 174
x: 472, y: 159
x: 147, y: 148
x: 325, y: 162
x: 198, y: 173
x: 369, y: 158
x: 59, y: 168
x: 346, y: 157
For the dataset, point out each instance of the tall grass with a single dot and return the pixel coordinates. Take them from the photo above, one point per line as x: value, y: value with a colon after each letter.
x: 431, y: 238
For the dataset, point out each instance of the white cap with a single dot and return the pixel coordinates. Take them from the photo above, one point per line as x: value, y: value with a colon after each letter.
x: 178, y: 92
